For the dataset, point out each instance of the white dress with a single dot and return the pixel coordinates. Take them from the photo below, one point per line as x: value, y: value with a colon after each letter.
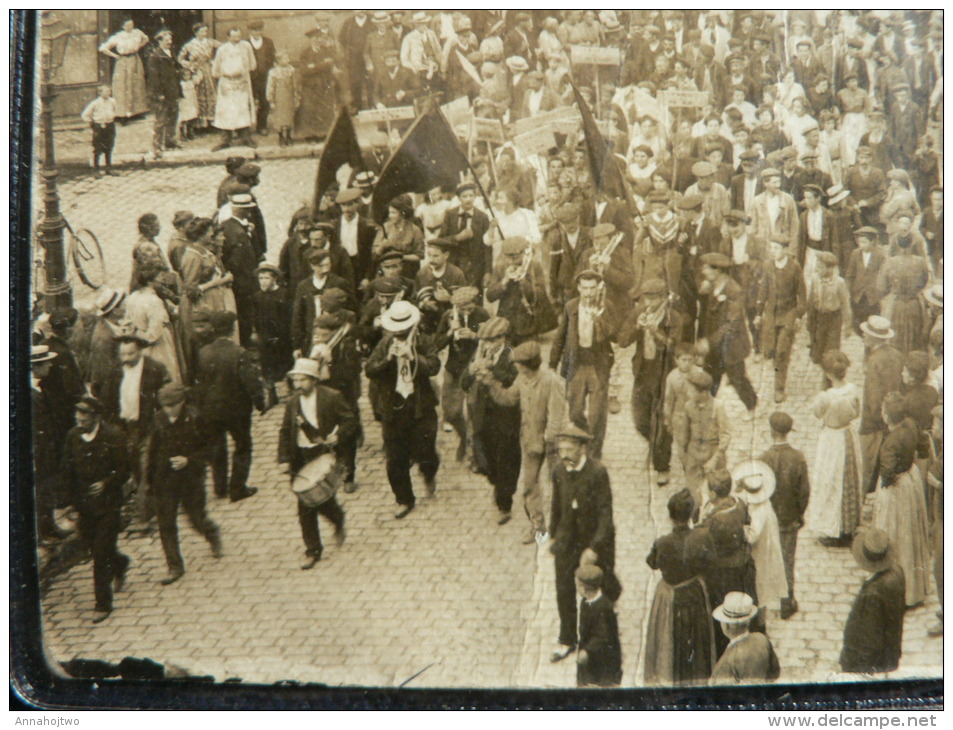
x: 148, y: 314
x: 234, y: 103
x: 765, y: 541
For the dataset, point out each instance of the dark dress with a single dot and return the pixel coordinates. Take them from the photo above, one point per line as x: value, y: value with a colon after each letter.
x: 599, y: 638
x: 873, y: 634
x: 680, y: 646
x: 318, y: 89
x: 273, y: 327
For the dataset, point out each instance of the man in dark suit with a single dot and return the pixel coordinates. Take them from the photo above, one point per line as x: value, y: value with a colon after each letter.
x: 791, y: 494
x: 873, y: 634
x: 746, y: 184
x: 129, y: 399
x: 305, y: 307
x: 264, y: 49
x: 162, y: 71
x: 566, y: 242
x: 47, y: 444
x: 611, y: 210
x: 700, y: 235
x: 517, y: 41
x: 883, y: 366
x: 176, y: 454
x: 851, y: 63
x: 582, y: 529
x: 468, y: 225
x: 722, y: 329
x: 64, y: 384
x: 496, y: 427
x: 905, y: 127
x: 583, y: 347
x: 353, y: 38
x: 394, y: 85
x: 293, y: 258
x: 318, y: 420
x: 239, y: 257
x: 782, y: 303
x: 355, y: 234
x: 95, y: 466
x: 867, y: 185
x: 861, y: 275
x: 402, y: 364
x: 249, y: 175
x: 227, y: 386
x: 749, y: 657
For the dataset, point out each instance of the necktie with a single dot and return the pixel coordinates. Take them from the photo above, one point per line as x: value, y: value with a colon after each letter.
x: 464, y: 220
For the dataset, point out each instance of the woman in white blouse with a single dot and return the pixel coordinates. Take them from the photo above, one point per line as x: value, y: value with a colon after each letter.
x: 129, y: 78
x: 511, y: 220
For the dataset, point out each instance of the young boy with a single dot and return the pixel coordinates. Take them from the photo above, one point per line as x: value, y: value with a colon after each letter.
x: 272, y: 329
x: 702, y: 426
x: 599, y: 659
x: 828, y: 308
x: 678, y: 391
x: 100, y: 115
x: 791, y: 493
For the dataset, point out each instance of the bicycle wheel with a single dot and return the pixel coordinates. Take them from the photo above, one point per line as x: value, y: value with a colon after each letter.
x: 87, y: 257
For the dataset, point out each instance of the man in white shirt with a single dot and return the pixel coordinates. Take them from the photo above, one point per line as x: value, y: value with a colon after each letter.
x: 420, y: 49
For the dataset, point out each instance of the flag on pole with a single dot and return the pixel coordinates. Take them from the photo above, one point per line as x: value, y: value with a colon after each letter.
x: 607, y: 170
x: 341, y: 148
x: 429, y: 155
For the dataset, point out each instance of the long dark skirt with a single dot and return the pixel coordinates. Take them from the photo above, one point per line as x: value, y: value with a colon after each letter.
x: 680, y: 645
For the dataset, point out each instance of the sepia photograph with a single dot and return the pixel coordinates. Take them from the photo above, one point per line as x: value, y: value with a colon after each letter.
x: 479, y: 350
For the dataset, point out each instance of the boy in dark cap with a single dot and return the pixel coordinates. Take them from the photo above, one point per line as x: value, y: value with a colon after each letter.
x: 272, y: 323
x: 176, y: 469
x: 599, y: 659
x: 96, y: 463
x: 791, y: 494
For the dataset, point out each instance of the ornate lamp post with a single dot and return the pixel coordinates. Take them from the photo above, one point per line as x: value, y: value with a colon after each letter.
x: 54, y: 38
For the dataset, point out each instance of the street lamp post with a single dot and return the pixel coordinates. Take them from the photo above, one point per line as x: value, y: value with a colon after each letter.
x: 54, y: 37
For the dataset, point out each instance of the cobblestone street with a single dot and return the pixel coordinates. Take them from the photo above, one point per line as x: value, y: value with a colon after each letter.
x: 446, y: 594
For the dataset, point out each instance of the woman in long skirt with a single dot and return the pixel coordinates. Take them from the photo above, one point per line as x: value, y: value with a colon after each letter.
x: 197, y: 55
x: 899, y: 507
x: 680, y: 642
x: 149, y: 315
x: 129, y: 78
x: 754, y: 483
x: 900, y: 281
x: 316, y: 70
x: 835, y: 508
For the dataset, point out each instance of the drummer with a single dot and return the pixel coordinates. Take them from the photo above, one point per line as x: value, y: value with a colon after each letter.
x: 317, y: 420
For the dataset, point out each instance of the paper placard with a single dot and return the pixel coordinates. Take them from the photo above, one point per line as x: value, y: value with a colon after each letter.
x: 564, y: 114
x: 487, y: 130
x: 390, y: 114
x: 535, y: 142
x: 456, y: 110
x: 596, y: 55
x: 566, y: 126
x: 684, y: 99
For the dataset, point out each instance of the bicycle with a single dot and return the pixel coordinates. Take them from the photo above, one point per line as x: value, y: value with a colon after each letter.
x: 84, y: 259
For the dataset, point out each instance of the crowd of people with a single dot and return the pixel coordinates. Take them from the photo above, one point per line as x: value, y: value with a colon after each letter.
x: 798, y: 184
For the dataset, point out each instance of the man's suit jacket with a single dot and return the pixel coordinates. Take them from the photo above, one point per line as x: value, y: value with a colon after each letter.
x: 862, y: 280
x: 47, y: 443
x: 473, y: 256
x: 383, y: 369
x: 386, y: 87
x: 163, y: 76
x: 871, y: 187
x: 786, y: 226
x: 363, y: 263
x: 904, y: 127
x: 750, y: 659
x: 240, y: 258
x: 617, y: 214
x: 564, y: 261
x: 226, y: 382
x: 105, y: 459
x: 737, y: 191
x: 582, y: 513
x: 723, y: 323
x: 566, y: 348
x: 293, y: 262
x: 333, y: 413
x: 303, y: 310
x: 619, y: 277
x: 827, y: 235
x: 882, y: 370
x: 186, y: 437
x: 264, y: 60
x: 64, y: 386
x: 793, y: 483
x: 154, y: 376
x: 873, y: 634
x: 485, y: 412
x: 847, y: 64
x: 670, y: 328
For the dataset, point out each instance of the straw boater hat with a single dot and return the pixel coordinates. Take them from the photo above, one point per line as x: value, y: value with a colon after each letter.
x: 934, y: 295
x: 40, y: 353
x: 108, y: 300
x: 737, y: 608
x: 872, y: 549
x: 836, y: 194
x: 380, y: 16
x: 400, y: 317
x: 877, y: 326
x: 753, y: 480
x: 305, y: 366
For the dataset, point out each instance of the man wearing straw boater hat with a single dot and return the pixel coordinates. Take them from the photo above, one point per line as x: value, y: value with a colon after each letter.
x: 402, y: 364
x: 749, y: 657
x: 111, y: 323
x: 873, y: 634
x: 95, y: 466
x: 318, y: 420
x: 883, y: 366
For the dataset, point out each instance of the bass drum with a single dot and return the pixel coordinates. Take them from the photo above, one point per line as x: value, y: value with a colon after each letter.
x: 318, y: 480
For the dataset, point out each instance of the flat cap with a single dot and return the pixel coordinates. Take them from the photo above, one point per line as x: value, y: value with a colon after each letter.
x: 202, y: 315
x: 690, y: 202
x: 256, y: 25
x: 780, y: 422
x: 315, y: 255
x: 567, y: 212
x: 526, y: 351
x: 589, y: 575
x: 390, y: 254
x: 737, y: 216
x: 703, y: 169
x: 171, y: 394
x: 463, y: 295
x: 249, y: 169
x: 748, y: 156
x: 827, y: 258
x: 327, y: 321
x: 89, y: 404
x: 653, y: 286
x: 514, y: 245
x: 494, y: 327
x: 572, y: 431
x: 700, y: 379
x: 867, y: 232
x: 770, y: 172
x: 718, y: 260
x: 221, y: 320
x: 333, y: 299
x: 443, y: 243
x: 269, y: 268
x: 62, y: 317
x: 387, y: 285
x: 603, y: 230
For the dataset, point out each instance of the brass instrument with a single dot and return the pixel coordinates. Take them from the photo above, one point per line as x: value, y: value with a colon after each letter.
x: 599, y: 261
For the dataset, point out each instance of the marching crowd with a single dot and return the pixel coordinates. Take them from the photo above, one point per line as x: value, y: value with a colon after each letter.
x: 797, y: 185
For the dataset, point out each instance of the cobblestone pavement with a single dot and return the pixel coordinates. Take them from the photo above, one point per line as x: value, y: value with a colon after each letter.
x: 445, y: 591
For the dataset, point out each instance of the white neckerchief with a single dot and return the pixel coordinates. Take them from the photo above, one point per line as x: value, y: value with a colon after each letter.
x: 815, y: 227
x: 88, y: 437
x: 739, y: 249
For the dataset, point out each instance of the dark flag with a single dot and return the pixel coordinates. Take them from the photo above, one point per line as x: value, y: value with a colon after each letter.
x: 429, y: 155
x: 340, y: 148
x: 606, y: 168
